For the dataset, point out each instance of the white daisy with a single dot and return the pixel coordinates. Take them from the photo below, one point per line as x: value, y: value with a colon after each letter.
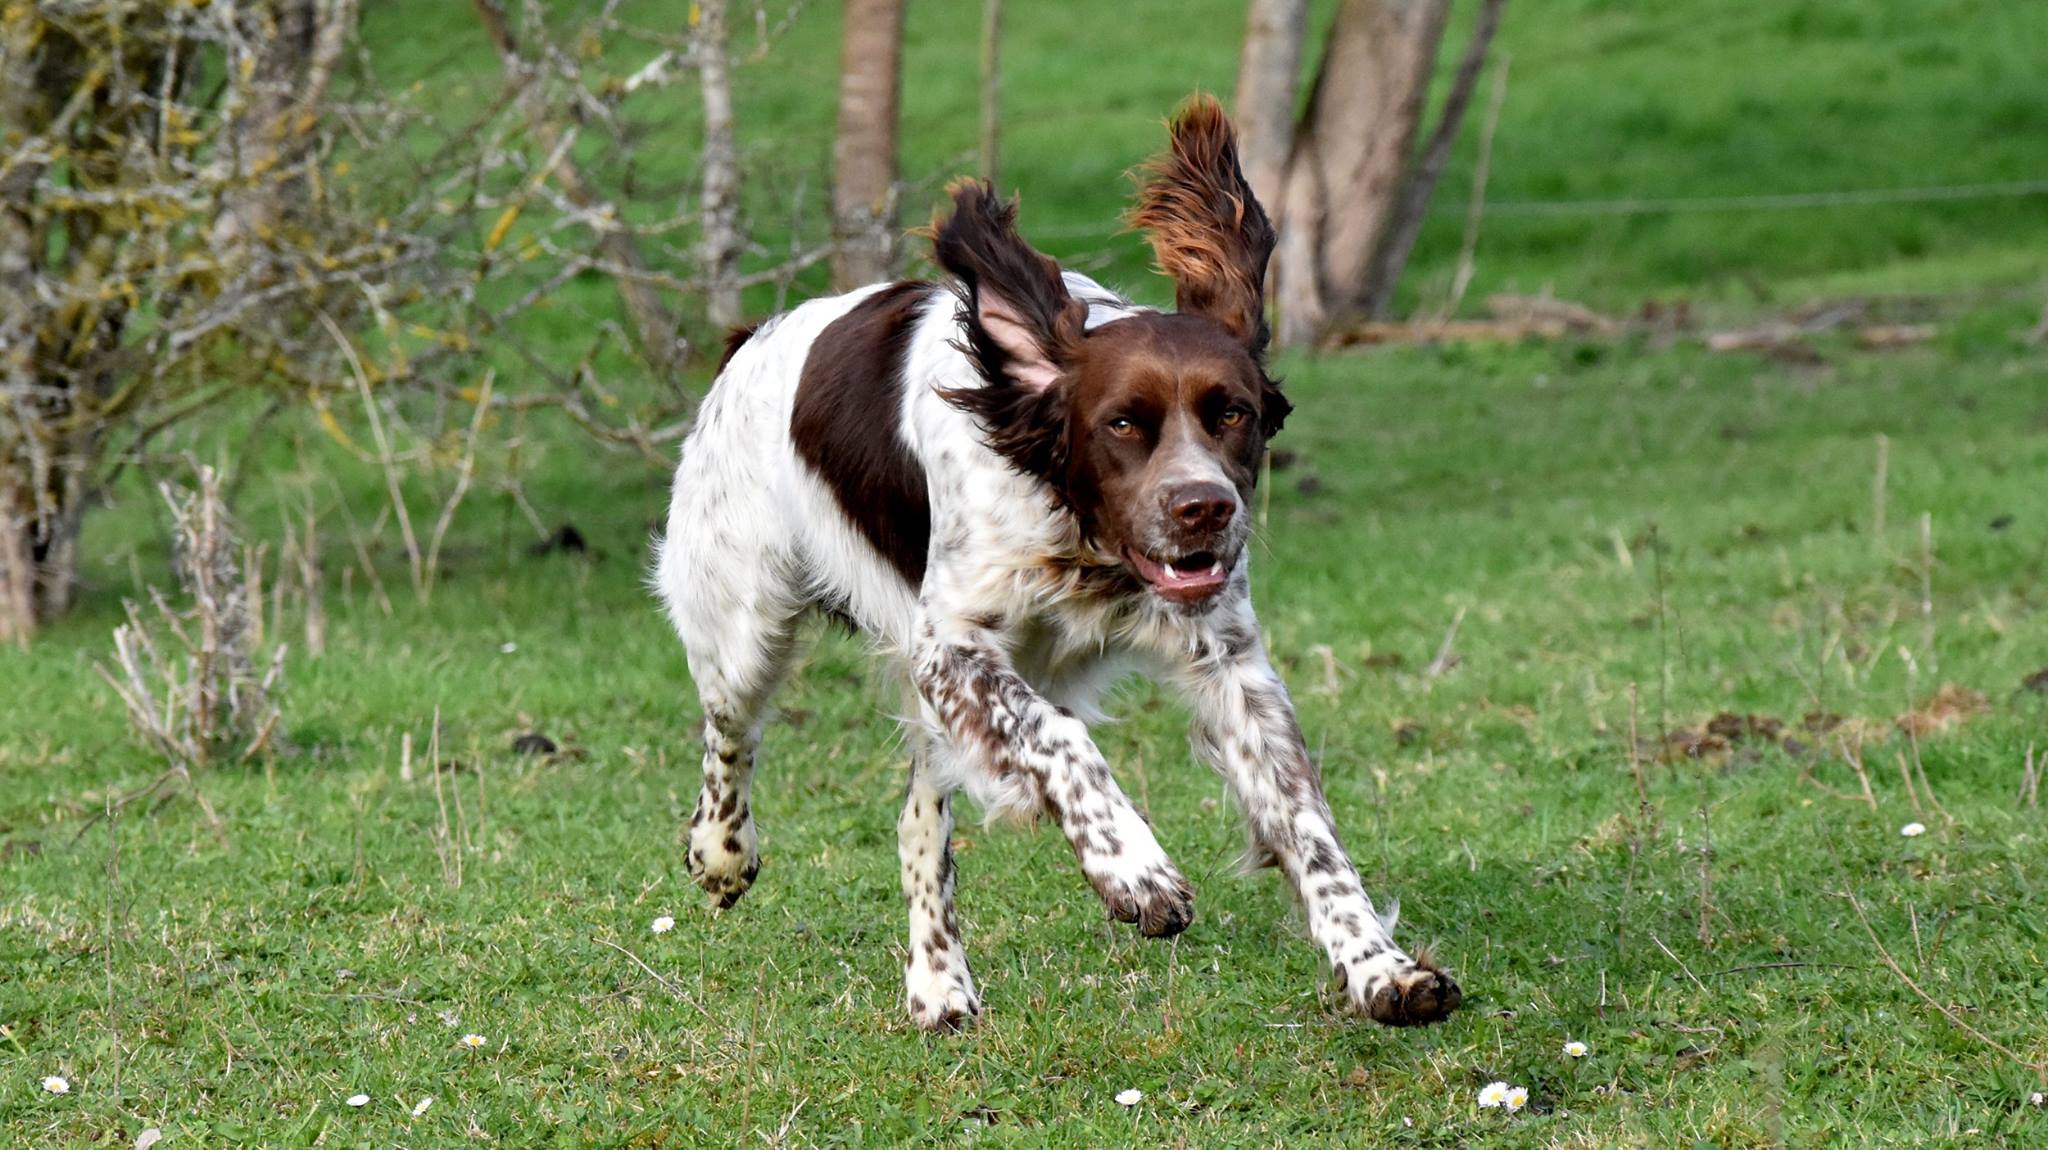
x: 358, y: 1100
x: 1517, y: 1097
x: 663, y: 925
x: 420, y: 1107
x: 1913, y: 830
x: 1493, y: 1094
x: 1130, y: 1097
x: 1576, y: 1049
x: 508, y: 648
x: 57, y: 1084
x: 472, y: 1040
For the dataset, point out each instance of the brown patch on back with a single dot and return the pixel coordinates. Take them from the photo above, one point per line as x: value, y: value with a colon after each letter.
x: 845, y: 425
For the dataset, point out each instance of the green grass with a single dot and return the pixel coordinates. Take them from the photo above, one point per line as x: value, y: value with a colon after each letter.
x: 1634, y: 534
x: 1607, y: 99
x: 236, y: 994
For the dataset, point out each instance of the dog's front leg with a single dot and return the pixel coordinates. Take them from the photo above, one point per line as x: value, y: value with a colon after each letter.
x: 1245, y: 728
x: 1040, y: 757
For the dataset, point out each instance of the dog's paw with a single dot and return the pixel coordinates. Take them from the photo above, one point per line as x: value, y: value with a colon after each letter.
x: 1406, y: 992
x: 940, y: 1002
x: 1156, y: 898
x: 724, y: 860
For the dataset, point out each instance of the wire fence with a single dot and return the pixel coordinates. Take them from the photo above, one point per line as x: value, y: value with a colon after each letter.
x: 1648, y: 205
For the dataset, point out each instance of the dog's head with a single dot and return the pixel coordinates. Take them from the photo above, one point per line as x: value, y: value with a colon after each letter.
x: 1149, y: 428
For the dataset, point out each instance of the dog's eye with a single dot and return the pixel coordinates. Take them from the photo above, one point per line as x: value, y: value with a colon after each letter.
x: 1121, y: 426
x: 1232, y: 416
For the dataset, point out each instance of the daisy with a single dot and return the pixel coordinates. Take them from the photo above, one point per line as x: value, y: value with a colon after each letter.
x: 1130, y: 1097
x: 57, y: 1084
x: 1493, y: 1094
x: 1576, y: 1049
x: 358, y: 1100
x: 1913, y: 830
x: 1517, y: 1097
x: 663, y: 925
x: 472, y: 1040
x: 420, y: 1107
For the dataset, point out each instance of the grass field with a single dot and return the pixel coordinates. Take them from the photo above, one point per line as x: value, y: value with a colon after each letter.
x: 236, y: 993
x: 1630, y: 535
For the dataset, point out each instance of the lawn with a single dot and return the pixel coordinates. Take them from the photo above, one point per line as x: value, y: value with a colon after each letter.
x: 1483, y: 570
x: 1633, y: 537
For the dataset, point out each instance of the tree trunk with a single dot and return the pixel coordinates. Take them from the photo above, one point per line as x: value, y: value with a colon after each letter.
x: 864, y: 156
x: 1268, y: 77
x: 42, y: 507
x: 720, y: 206
x: 41, y: 488
x: 1391, y: 256
x: 1350, y: 159
x: 991, y: 87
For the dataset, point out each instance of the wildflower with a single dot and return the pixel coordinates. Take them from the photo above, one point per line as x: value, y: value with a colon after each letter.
x: 663, y: 925
x: 1517, y: 1097
x: 1493, y: 1094
x: 1130, y: 1097
x: 1576, y: 1049
x: 2039, y: 1099
x: 1913, y: 830
x: 508, y: 648
x: 420, y: 1107
x: 358, y: 1100
x: 472, y: 1040
x: 57, y: 1084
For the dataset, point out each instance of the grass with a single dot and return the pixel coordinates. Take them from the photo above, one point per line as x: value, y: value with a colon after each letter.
x: 1635, y: 535
x: 1607, y: 99
x: 236, y: 993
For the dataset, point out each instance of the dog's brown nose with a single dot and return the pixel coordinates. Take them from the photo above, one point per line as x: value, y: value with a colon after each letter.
x: 1202, y: 507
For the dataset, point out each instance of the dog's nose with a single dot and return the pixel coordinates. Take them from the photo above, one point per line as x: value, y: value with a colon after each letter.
x: 1204, y: 507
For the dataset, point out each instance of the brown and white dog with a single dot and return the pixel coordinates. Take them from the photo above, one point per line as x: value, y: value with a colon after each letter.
x: 1020, y: 486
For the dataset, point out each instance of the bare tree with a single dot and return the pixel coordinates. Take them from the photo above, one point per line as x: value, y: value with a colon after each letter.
x: 652, y: 321
x: 721, y: 203
x: 1268, y: 81
x: 1355, y: 185
x: 864, y: 154
x: 290, y: 49
x: 146, y: 272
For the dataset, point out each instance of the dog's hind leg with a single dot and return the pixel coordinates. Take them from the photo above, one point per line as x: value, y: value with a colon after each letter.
x: 938, y: 989
x: 740, y: 642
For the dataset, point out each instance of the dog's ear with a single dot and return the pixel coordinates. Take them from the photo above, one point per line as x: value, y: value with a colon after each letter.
x: 1209, y: 232
x: 1022, y: 327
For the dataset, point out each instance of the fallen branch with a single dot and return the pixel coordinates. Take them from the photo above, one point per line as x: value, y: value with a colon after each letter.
x: 2040, y: 1069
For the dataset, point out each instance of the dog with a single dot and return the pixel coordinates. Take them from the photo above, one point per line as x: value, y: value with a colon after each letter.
x: 1020, y: 487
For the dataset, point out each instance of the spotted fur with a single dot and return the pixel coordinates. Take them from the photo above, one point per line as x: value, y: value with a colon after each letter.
x: 1077, y: 458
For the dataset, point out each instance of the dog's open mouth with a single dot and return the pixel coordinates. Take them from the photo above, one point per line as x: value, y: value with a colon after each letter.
x: 1191, y: 578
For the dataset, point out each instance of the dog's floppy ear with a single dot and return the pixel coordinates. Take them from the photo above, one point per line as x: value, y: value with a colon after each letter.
x: 1209, y: 232
x: 1022, y: 327
x: 1022, y: 330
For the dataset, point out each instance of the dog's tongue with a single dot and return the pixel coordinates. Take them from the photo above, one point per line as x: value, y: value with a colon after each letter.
x: 1175, y: 582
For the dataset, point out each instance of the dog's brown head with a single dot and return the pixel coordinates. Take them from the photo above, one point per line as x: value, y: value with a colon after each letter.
x: 1150, y: 428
